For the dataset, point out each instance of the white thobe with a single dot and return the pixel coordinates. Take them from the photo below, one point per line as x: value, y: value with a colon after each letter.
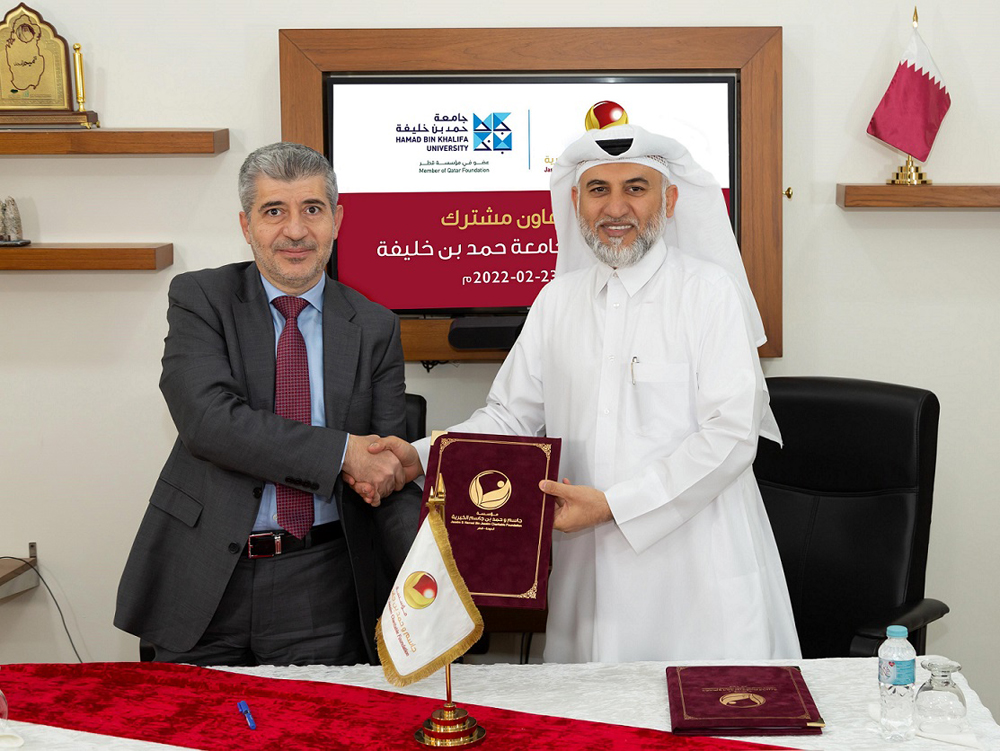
x: 650, y: 377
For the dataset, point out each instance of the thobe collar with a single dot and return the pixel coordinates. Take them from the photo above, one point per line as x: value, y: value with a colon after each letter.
x: 634, y: 277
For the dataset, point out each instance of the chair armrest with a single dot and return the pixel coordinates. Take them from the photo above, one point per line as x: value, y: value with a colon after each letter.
x: 913, y: 615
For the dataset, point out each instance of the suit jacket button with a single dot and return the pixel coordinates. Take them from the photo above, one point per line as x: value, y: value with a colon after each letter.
x: 234, y: 548
x: 258, y: 492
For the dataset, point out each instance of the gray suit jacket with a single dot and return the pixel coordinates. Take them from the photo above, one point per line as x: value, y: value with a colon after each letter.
x: 218, y: 382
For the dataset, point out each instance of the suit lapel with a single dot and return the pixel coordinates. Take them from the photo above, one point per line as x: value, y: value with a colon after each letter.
x: 255, y: 329
x: 341, y: 348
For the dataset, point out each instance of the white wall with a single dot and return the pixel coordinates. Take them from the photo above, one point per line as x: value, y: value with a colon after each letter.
x: 905, y: 296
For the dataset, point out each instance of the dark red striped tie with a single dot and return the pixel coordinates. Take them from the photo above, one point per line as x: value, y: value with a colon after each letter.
x: 291, y: 400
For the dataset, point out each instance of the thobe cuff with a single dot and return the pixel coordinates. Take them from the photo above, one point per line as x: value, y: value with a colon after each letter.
x: 631, y: 502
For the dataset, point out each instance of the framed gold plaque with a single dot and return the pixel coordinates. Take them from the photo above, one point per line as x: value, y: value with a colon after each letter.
x: 34, y: 72
x: 36, y: 89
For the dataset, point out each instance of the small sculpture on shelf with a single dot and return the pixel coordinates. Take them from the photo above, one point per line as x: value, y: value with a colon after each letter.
x: 10, y: 224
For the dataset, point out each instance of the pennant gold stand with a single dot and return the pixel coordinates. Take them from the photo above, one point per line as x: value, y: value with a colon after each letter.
x: 909, y: 174
x: 450, y: 726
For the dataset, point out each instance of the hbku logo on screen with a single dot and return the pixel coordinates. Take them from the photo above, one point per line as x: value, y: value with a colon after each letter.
x: 491, y: 133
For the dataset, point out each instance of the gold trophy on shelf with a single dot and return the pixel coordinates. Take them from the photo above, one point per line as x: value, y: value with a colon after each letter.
x: 35, y: 81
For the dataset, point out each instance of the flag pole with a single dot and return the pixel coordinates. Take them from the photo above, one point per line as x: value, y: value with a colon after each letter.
x: 450, y: 726
x: 436, y: 503
x: 909, y: 173
x: 911, y: 110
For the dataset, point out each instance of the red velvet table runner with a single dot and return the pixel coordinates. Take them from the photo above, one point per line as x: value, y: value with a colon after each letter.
x: 196, y: 708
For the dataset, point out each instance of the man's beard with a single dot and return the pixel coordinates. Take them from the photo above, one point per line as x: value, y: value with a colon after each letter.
x: 295, y: 275
x: 614, y: 253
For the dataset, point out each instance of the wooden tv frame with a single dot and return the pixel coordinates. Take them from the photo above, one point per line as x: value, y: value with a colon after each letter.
x: 305, y: 55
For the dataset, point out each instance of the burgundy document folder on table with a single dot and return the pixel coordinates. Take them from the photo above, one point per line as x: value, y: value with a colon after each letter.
x: 740, y: 700
x: 499, y: 522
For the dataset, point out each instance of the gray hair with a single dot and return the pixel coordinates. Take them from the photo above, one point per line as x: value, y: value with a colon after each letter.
x: 284, y: 161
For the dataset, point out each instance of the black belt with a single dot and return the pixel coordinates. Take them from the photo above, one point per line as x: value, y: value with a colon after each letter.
x: 270, y: 544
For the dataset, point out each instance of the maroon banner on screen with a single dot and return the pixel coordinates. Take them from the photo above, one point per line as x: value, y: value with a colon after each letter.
x: 418, y: 251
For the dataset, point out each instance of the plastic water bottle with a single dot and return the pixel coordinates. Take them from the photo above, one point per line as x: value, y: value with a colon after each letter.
x: 896, y: 658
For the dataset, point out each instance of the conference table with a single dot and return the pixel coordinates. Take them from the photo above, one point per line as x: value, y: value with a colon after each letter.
x: 632, y: 694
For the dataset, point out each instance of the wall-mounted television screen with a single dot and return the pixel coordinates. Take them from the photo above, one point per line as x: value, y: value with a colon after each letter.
x: 445, y: 179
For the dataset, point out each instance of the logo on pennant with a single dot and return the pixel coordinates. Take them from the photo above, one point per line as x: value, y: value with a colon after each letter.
x: 420, y: 589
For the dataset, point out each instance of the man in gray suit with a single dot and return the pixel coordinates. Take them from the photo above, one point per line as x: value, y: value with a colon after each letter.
x: 212, y: 577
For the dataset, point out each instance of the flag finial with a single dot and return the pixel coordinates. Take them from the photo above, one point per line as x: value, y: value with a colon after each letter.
x: 914, y: 16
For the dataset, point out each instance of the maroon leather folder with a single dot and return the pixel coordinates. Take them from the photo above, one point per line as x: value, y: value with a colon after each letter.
x: 740, y: 700
x: 498, y: 521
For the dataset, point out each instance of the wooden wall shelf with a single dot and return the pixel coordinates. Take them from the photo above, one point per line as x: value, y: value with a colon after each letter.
x: 87, y: 256
x: 427, y: 339
x: 17, y: 576
x: 112, y: 141
x: 881, y: 196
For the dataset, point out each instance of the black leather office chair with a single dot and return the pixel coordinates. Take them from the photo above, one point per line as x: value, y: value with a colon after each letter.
x: 849, y: 499
x: 416, y: 417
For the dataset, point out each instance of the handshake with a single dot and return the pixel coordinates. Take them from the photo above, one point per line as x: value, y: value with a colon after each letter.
x: 375, y: 467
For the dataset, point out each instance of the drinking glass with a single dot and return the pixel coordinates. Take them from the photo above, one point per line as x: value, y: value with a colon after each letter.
x: 940, y: 702
x: 8, y: 738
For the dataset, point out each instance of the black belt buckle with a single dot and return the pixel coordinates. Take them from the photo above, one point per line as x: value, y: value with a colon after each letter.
x: 264, y: 545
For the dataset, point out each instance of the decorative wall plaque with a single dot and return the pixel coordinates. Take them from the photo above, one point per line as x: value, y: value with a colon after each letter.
x: 36, y: 89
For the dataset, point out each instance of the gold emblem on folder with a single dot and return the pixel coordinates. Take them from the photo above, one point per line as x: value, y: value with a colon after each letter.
x: 742, y: 699
x: 490, y: 490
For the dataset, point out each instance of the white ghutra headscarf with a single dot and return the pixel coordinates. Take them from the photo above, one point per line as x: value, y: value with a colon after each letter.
x: 700, y: 225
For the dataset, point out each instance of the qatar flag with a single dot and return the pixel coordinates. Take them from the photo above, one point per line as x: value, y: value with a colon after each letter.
x: 912, y: 108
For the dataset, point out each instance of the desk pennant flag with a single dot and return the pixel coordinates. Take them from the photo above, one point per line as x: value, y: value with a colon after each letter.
x: 912, y: 108
x: 430, y: 618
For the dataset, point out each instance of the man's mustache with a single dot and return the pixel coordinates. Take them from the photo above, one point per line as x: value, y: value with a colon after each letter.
x: 295, y: 245
x: 630, y: 221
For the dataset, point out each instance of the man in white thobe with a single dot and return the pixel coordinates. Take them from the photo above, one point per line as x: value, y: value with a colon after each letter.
x: 641, y: 355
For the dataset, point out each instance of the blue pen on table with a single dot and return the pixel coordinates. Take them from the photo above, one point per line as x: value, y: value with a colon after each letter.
x: 245, y: 710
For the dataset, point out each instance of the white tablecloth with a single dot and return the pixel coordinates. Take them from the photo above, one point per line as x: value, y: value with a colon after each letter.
x: 627, y: 694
